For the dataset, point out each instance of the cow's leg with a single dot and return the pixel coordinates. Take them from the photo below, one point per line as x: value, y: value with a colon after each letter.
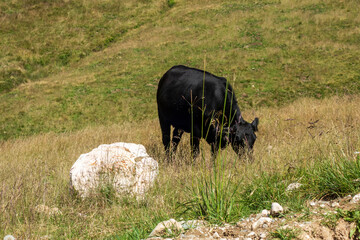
x: 165, y: 130
x: 177, y: 133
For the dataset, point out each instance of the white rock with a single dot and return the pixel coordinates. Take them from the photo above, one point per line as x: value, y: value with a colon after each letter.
x: 166, y: 227
x: 260, y: 222
x: 313, y: 204
x: 265, y: 213
x: 276, y: 209
x: 293, y: 186
x: 124, y: 166
x: 355, y: 199
x: 335, y: 204
x: 193, y: 224
x: 251, y: 234
x: 216, y: 235
x: 9, y: 237
x: 347, y: 198
x: 262, y: 236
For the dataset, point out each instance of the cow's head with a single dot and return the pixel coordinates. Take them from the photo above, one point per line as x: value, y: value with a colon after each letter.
x: 243, y: 136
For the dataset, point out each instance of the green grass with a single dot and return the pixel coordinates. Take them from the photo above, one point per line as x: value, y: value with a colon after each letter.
x: 284, y: 234
x: 75, y: 74
x: 90, y: 64
x: 212, y: 196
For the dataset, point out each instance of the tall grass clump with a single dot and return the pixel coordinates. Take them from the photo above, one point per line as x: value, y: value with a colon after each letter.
x: 213, y: 192
x: 212, y: 197
x: 334, y: 178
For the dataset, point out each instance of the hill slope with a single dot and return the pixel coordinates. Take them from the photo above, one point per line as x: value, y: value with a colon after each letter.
x: 69, y: 64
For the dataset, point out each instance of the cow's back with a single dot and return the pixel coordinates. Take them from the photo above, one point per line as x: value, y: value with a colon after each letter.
x: 180, y: 94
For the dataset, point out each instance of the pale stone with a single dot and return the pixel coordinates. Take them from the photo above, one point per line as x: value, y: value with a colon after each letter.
x: 260, y: 222
x: 355, y: 199
x: 126, y: 167
x: 216, y: 235
x: 347, y: 198
x: 335, y: 204
x: 293, y: 186
x: 265, y: 213
x: 167, y: 227
x: 262, y: 236
x: 9, y: 237
x: 276, y: 209
x: 193, y: 224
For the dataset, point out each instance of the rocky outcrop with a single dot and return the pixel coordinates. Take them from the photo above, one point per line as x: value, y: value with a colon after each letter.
x: 125, y: 167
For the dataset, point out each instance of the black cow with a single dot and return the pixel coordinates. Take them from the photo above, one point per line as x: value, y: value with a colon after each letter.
x: 206, y: 109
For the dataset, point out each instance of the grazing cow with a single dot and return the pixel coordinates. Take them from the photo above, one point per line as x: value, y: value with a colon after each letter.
x: 200, y: 103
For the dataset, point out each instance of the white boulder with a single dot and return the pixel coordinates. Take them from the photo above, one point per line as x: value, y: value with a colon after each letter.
x: 126, y: 167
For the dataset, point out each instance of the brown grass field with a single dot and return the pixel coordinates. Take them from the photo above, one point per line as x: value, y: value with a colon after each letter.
x: 35, y: 170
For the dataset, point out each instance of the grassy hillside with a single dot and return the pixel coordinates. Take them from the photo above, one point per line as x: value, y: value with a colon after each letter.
x: 310, y: 141
x: 68, y: 64
x: 75, y: 74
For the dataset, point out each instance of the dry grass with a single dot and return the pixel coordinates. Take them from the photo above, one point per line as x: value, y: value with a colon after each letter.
x: 35, y: 170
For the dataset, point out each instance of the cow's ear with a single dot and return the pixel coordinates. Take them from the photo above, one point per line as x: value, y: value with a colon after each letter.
x: 255, y: 124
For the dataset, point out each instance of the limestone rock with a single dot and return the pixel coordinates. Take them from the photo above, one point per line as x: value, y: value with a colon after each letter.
x: 259, y: 223
x: 216, y: 235
x: 167, y: 227
x: 126, y: 167
x: 293, y: 186
x: 265, y: 213
x: 193, y: 224
x: 9, y: 237
x: 276, y: 209
x: 355, y: 199
x: 262, y: 236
